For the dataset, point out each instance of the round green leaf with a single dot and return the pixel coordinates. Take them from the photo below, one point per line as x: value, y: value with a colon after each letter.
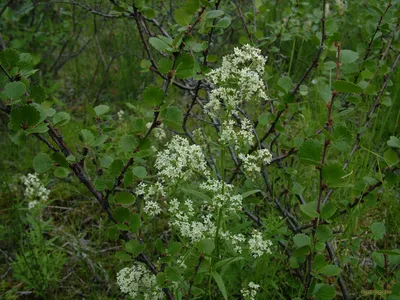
x: 61, y: 118
x: 346, y: 87
x: 153, y: 95
x: 101, y: 109
x: 139, y: 172
x: 128, y: 143
x: 61, y: 172
x: 42, y: 163
x: 14, y: 90
x: 124, y: 198
x: 24, y: 117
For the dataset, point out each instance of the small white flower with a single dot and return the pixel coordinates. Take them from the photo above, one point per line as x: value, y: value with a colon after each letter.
x: 159, y: 132
x: 34, y: 190
x: 222, y: 195
x: 152, y: 208
x: 137, y: 280
x: 250, y: 293
x: 239, y: 79
x: 33, y: 204
x: 120, y: 115
x: 243, y: 136
x: 252, y: 162
x: 180, y: 160
x: 259, y: 246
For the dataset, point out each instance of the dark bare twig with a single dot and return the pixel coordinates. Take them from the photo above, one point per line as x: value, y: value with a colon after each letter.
x: 196, y: 269
x: 5, y: 6
x: 317, y: 55
x: 119, y: 179
x: 368, y: 51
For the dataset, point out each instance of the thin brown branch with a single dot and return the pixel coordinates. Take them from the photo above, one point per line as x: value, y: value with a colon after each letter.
x: 369, y: 47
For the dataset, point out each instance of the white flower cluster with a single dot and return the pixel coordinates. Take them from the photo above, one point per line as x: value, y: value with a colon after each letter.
x: 239, y: 79
x: 243, y: 136
x: 251, y: 162
x: 120, y: 115
x: 193, y: 230
x: 222, y: 195
x: 150, y: 193
x: 259, y: 246
x: 159, y: 132
x: 236, y: 240
x: 251, y: 291
x: 137, y: 281
x: 180, y: 160
x: 35, y: 192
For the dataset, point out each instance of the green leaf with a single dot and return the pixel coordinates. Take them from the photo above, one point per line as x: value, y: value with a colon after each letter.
x: 330, y: 270
x: 24, y: 117
x: 123, y: 256
x: 394, y: 142
x: 139, y: 172
x: 297, y: 188
x: 61, y: 118
x: 41, y: 128
x: 128, y: 143
x: 42, y: 163
x: 346, y: 87
x: 101, y: 109
x: 224, y: 22
x: 184, y: 66
x: 310, y: 152
x: 378, y: 258
x: 227, y: 261
x: 332, y: 173
x: 112, y: 233
x: 38, y: 93
x: 60, y: 159
x: 310, y: 209
x: 14, y: 90
x: 285, y: 82
x: 198, y: 194
x: 61, y: 172
x: 160, y: 44
x: 263, y: 119
x: 172, y: 116
x: 153, y: 95
x: 324, y: 233
x: 134, y: 247
x: 121, y: 214
x: 328, y: 211
x: 9, y: 57
x: 325, y: 292
x: 172, y: 273
x: 390, y: 157
x: 124, y: 198
x: 301, y: 240
x: 134, y: 222
x: 174, y: 248
x: 319, y: 262
x: 249, y: 193
x: 181, y: 17
x: 348, y: 56
x: 206, y: 246
x: 165, y: 65
x: 331, y: 26
x: 87, y: 136
x: 302, y: 251
x: 214, y: 14
x: 220, y: 284
x: 378, y: 230
x: 149, y: 13
x: 99, y: 141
